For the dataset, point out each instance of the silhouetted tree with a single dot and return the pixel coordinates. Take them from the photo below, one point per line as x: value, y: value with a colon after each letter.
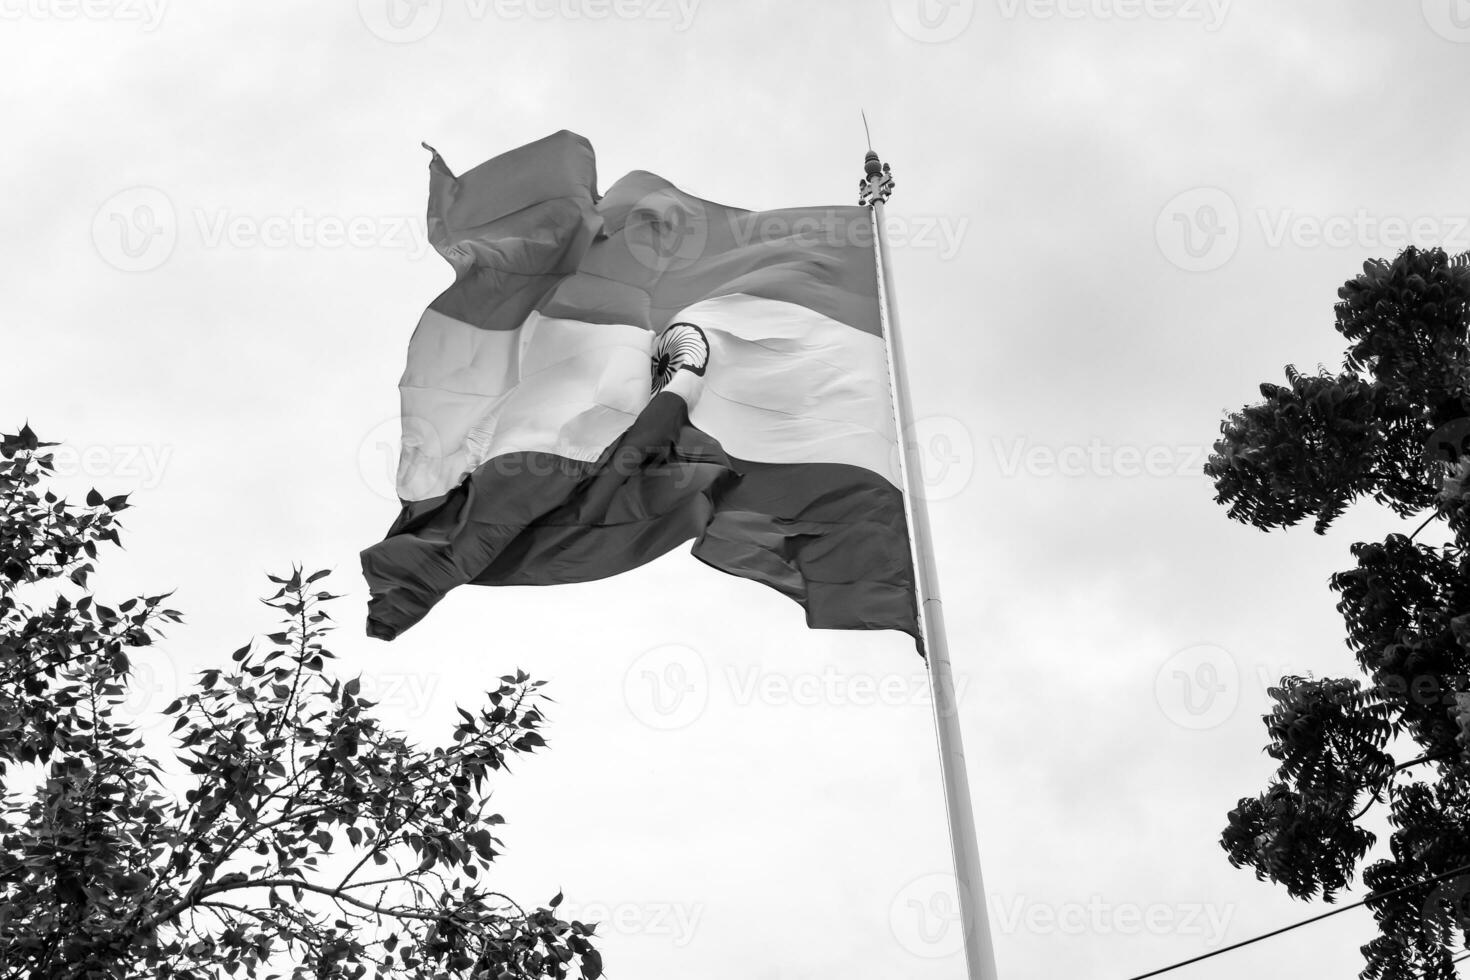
x: 308, y: 841
x: 1391, y: 425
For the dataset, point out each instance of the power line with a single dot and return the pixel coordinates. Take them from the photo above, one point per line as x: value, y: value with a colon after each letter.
x: 1304, y: 922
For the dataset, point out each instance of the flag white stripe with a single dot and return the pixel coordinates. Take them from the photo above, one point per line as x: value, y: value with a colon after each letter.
x: 784, y: 384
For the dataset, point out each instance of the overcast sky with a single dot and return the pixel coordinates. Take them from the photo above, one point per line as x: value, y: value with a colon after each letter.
x: 1114, y: 219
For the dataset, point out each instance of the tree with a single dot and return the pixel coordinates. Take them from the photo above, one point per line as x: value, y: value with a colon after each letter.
x: 308, y: 841
x: 1391, y: 425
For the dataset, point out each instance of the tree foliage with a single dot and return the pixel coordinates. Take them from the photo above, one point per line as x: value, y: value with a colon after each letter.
x: 306, y: 839
x: 1391, y: 425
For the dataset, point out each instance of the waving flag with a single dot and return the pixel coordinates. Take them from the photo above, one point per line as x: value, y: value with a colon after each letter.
x: 609, y: 378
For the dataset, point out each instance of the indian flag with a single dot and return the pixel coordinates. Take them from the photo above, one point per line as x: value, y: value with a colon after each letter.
x: 611, y: 377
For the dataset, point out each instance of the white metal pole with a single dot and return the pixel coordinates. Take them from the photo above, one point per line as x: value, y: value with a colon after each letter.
x: 974, y: 917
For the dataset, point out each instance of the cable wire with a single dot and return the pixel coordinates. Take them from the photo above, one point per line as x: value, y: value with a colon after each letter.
x: 1297, y: 925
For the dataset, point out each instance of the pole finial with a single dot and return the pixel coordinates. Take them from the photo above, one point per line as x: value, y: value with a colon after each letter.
x: 877, y: 183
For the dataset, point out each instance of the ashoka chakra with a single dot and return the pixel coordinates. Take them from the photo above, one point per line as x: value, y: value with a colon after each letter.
x: 681, y: 347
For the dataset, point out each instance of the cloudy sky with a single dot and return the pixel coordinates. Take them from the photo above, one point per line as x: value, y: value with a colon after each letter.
x: 1114, y: 219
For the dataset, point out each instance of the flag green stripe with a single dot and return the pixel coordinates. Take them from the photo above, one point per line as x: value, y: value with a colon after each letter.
x: 829, y: 535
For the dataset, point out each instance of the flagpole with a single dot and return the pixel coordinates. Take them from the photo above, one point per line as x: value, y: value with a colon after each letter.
x: 876, y: 186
